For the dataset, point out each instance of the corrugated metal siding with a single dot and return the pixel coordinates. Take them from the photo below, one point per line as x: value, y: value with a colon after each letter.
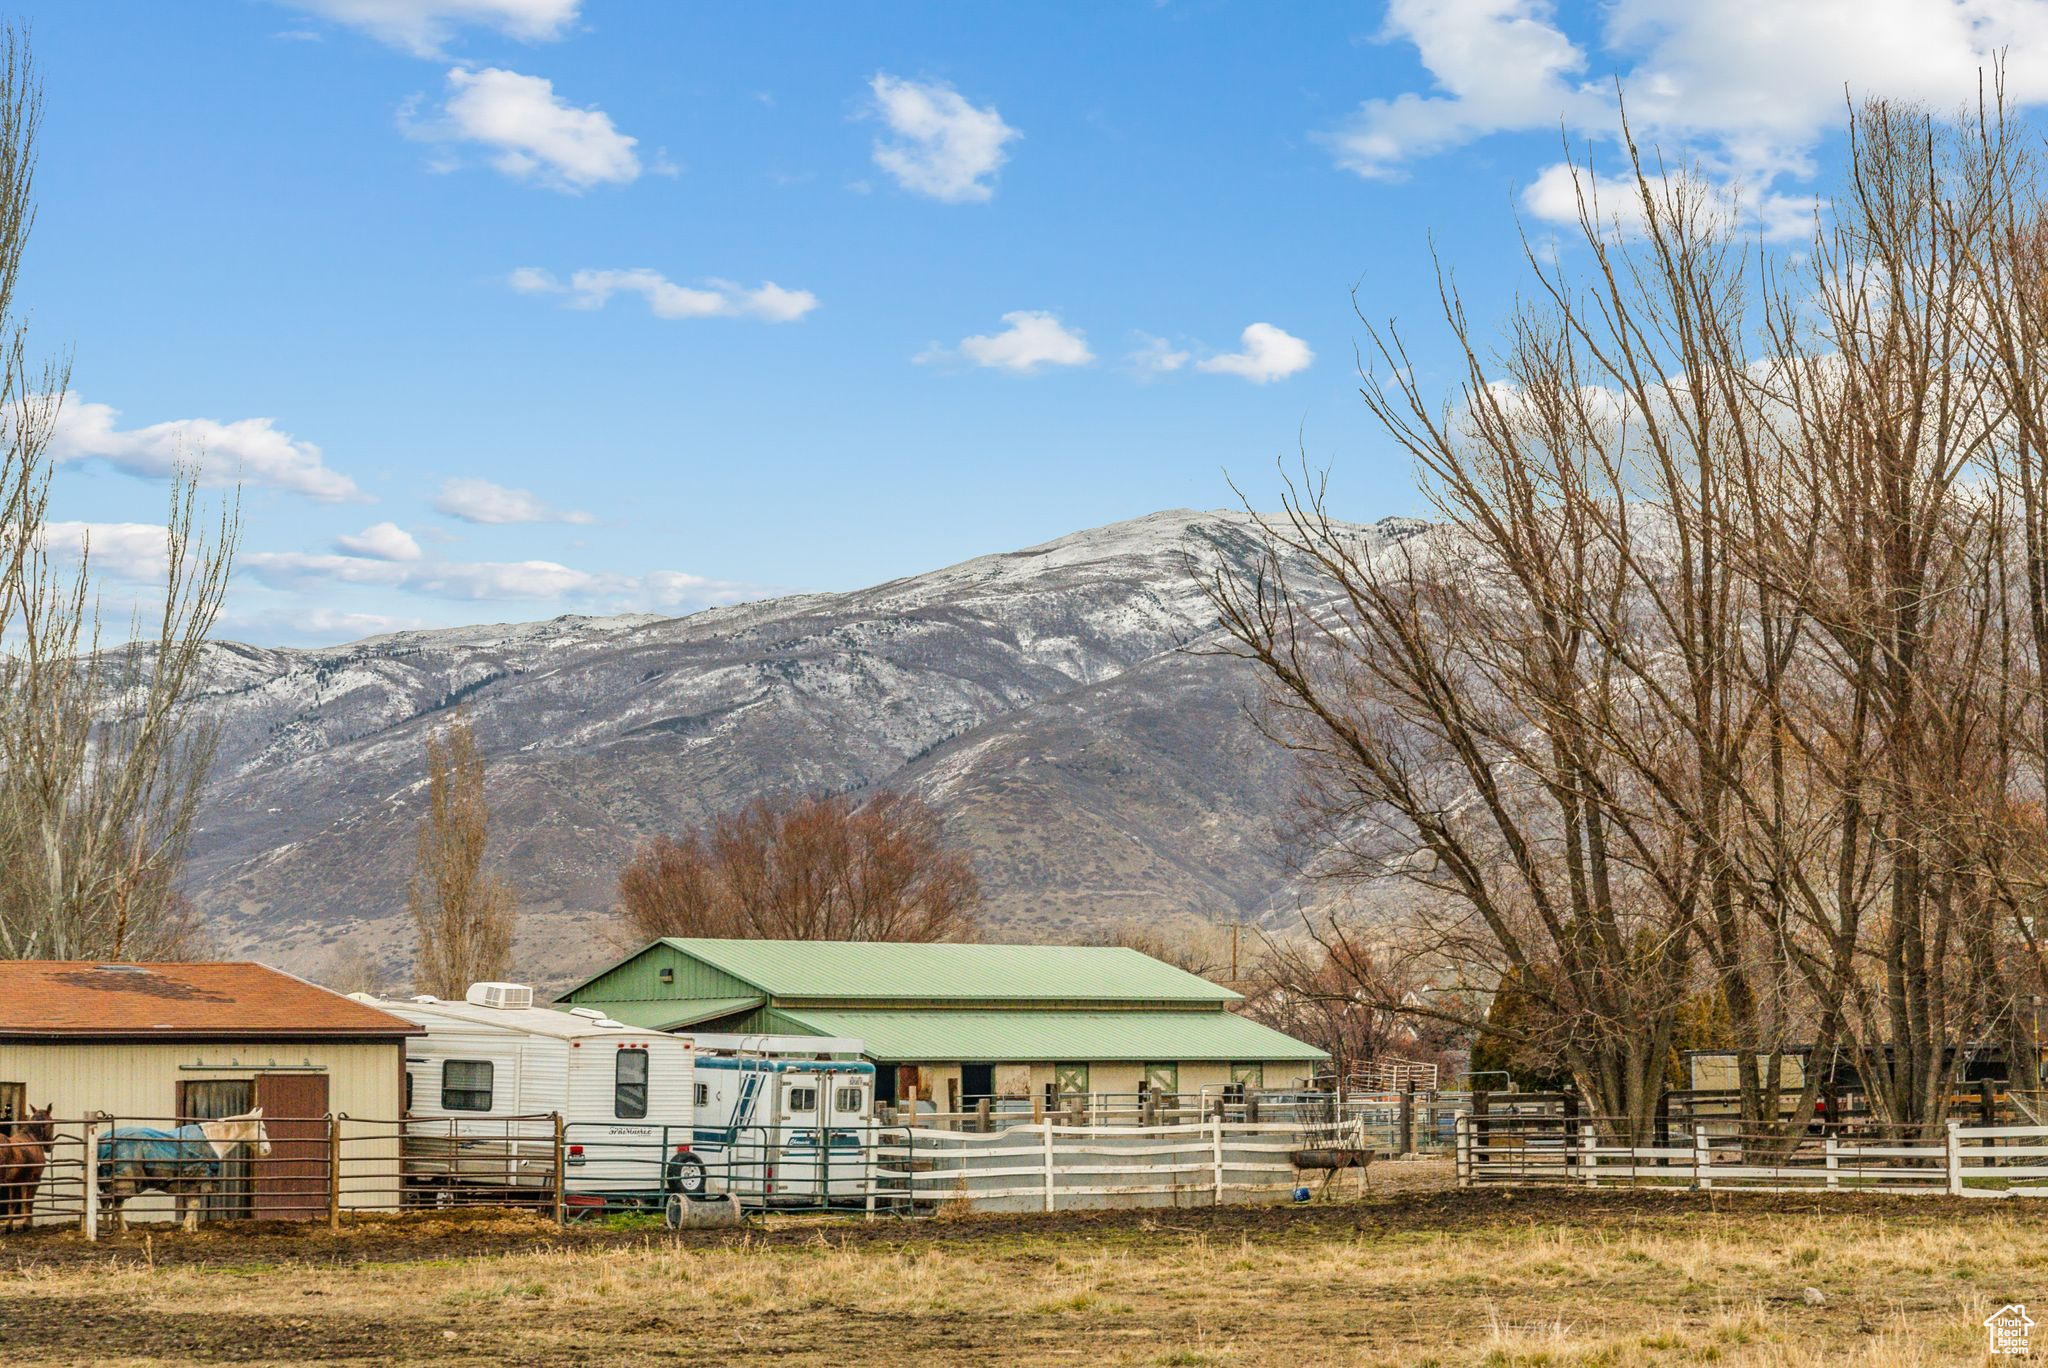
x: 638, y: 979
x: 868, y: 971
x: 141, y: 1081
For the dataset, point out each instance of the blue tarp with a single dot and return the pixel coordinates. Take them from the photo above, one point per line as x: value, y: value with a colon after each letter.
x: 158, y: 1151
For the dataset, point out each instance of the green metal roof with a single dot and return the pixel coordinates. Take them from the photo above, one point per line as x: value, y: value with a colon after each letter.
x: 1042, y: 1037
x: 671, y: 1015
x: 890, y: 972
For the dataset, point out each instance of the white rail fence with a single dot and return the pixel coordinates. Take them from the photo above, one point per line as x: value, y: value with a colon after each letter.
x: 1052, y: 1167
x: 1971, y: 1161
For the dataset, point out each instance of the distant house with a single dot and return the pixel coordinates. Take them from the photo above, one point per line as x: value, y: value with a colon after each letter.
x: 963, y: 1022
x: 154, y: 1043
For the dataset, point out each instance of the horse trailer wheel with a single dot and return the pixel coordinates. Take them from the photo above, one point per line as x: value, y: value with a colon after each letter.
x: 685, y: 1175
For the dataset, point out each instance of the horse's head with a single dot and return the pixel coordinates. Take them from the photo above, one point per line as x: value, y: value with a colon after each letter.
x: 38, y: 1126
x: 258, y: 1136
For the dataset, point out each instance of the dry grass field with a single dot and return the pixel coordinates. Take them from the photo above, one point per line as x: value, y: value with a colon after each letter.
x: 1415, y: 1276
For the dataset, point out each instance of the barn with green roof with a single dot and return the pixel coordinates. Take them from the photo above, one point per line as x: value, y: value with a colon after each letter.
x: 963, y: 1022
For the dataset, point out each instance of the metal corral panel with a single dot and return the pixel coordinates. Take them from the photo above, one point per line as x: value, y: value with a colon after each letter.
x: 1035, y: 1036
x: 883, y: 972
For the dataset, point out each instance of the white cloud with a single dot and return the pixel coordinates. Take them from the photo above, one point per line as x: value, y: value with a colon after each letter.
x: 136, y: 552
x: 1268, y: 354
x: 312, y: 624
x: 944, y: 147
x: 1749, y: 88
x: 1033, y: 338
x: 538, y: 581
x: 249, y: 450
x: 421, y: 27
x: 534, y: 134
x: 1155, y: 356
x: 666, y: 299
x: 380, y: 541
x: 293, y: 568
x: 1615, y: 200
x: 481, y: 501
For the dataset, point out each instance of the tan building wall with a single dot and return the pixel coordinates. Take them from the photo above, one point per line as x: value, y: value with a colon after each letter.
x: 140, y: 1081
x: 940, y: 1083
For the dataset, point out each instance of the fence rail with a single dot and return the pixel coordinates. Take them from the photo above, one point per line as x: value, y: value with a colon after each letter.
x: 100, y: 1170
x: 1969, y: 1161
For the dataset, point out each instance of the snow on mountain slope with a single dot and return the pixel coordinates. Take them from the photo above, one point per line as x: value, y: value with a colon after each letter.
x: 1041, y: 698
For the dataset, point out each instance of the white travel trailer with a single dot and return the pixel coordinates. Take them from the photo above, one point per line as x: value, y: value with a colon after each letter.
x: 785, y: 1120
x: 627, y: 1098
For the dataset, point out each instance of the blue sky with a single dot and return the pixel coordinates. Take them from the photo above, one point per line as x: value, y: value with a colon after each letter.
x: 507, y: 308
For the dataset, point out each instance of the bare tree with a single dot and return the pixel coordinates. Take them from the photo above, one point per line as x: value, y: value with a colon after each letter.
x: 806, y: 868
x: 463, y: 913
x: 1719, y: 680
x: 101, y: 759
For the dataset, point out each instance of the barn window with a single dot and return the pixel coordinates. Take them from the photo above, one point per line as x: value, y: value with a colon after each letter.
x: 1162, y: 1078
x: 629, y: 1090
x: 13, y: 1101
x: 803, y: 1100
x: 466, y: 1085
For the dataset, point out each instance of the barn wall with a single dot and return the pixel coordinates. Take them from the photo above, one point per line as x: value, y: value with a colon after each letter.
x: 140, y: 1081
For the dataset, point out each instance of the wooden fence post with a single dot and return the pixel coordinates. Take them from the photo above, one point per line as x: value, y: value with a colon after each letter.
x: 1051, y: 1192
x: 1589, y: 1158
x: 89, y: 1212
x: 981, y: 1121
x: 333, y: 1171
x: 1461, y: 1148
x: 1404, y: 1121
x: 1702, y: 1159
x: 1216, y: 1153
x: 561, y: 1209
x: 1954, y: 1155
x: 1833, y: 1149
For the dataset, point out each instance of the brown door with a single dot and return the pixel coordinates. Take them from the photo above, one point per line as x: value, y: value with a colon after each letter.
x: 291, y: 1184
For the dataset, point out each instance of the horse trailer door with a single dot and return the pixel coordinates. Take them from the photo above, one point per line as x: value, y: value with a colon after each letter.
x: 291, y: 1184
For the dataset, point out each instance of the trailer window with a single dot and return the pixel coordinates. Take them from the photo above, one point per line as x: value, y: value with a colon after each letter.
x: 803, y: 1100
x: 846, y: 1100
x: 466, y: 1084
x: 629, y: 1095
x: 703, y: 1094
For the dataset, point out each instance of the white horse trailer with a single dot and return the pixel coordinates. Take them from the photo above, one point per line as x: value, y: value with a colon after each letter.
x: 627, y: 1098
x: 786, y: 1120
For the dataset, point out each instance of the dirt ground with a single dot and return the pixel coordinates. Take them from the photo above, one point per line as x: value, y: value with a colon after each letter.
x: 1412, y: 1273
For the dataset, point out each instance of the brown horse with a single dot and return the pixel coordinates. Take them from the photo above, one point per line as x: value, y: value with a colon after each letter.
x: 24, y: 1152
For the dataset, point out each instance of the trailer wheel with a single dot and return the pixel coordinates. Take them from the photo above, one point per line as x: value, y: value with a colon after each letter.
x: 685, y: 1175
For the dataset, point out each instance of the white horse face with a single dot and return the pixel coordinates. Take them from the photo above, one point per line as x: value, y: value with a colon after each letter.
x: 258, y: 1135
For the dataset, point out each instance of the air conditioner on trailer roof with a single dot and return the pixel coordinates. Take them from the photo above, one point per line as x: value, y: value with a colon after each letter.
x: 499, y: 995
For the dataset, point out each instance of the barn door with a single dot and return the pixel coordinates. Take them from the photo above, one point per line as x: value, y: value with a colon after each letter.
x: 210, y: 1099
x: 291, y: 1185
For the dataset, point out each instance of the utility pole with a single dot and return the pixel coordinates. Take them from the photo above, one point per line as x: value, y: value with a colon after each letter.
x: 1236, y: 925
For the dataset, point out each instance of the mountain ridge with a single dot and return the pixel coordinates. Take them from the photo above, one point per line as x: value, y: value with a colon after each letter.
x: 1042, y: 699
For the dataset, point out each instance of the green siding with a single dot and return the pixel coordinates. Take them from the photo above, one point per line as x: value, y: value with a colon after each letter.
x: 637, y: 978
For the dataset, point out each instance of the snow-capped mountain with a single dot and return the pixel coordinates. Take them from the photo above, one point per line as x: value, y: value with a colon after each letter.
x: 1044, y: 700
